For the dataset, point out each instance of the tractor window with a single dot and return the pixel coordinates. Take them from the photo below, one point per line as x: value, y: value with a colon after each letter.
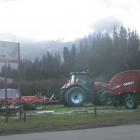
x: 71, y: 79
x: 83, y: 79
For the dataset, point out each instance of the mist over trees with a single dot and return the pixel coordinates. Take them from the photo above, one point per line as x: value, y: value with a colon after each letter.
x: 101, y: 54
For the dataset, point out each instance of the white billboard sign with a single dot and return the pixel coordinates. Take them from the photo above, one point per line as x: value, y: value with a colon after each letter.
x: 11, y: 93
x: 9, y: 51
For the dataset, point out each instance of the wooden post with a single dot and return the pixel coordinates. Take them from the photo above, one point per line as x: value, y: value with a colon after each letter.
x: 95, y: 110
x: 24, y: 116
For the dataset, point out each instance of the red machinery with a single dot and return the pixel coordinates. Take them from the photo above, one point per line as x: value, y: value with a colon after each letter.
x: 33, y: 99
x: 28, y: 102
x: 125, y: 88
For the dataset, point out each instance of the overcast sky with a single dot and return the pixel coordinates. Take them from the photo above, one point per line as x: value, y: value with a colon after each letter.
x: 64, y: 19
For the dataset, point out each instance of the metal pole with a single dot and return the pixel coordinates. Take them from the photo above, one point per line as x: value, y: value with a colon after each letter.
x: 6, y: 102
x: 19, y: 82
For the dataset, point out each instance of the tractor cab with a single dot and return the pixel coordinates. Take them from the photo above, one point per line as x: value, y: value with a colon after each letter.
x: 81, y: 78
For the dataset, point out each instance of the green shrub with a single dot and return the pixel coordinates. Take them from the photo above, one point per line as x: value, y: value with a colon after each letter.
x: 46, y: 87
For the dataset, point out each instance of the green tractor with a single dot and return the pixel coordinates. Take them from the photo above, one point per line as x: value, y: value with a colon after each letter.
x: 80, y: 89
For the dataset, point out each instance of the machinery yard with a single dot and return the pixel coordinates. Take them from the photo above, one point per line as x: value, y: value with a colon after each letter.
x: 78, y: 103
x: 79, y: 95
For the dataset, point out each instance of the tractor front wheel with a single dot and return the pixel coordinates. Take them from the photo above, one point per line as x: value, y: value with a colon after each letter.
x: 75, y: 96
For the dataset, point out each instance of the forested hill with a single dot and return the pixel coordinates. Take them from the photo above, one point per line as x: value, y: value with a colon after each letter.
x: 101, y: 53
x: 33, y: 49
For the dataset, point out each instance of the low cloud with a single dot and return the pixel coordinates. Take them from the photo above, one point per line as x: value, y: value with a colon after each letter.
x: 106, y: 24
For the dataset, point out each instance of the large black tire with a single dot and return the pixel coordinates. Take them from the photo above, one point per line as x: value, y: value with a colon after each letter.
x: 96, y: 97
x: 102, y: 97
x: 130, y: 102
x: 75, y: 96
x: 62, y: 97
x: 106, y: 98
x: 30, y: 106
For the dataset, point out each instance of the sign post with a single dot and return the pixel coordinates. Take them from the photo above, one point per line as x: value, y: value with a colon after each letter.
x: 19, y: 79
x: 10, y: 53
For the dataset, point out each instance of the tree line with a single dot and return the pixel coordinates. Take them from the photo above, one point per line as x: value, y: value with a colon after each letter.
x: 100, y: 53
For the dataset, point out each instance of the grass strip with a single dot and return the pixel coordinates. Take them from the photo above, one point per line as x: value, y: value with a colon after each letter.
x: 50, y: 122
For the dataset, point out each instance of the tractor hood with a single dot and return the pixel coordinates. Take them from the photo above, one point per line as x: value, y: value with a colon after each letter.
x: 66, y: 85
x: 70, y: 85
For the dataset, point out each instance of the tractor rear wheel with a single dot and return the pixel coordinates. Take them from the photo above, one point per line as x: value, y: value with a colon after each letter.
x: 75, y: 96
